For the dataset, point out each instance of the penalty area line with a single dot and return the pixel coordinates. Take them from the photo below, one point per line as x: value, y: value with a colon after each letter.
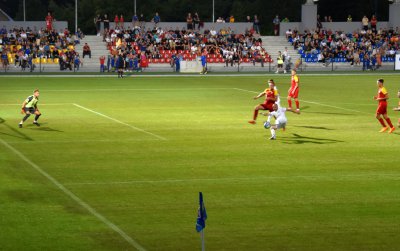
x: 120, y: 122
x: 74, y: 197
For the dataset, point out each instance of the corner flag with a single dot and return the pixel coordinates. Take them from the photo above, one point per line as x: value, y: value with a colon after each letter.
x: 202, y: 214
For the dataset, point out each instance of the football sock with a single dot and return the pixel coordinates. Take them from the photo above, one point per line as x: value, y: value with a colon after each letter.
x: 297, y: 104
x: 273, y: 133
x: 389, y: 122
x: 290, y: 103
x: 255, y: 114
x: 26, y: 117
x: 382, y: 122
x: 37, y: 117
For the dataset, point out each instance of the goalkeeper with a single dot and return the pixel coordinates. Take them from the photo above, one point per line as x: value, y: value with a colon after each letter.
x: 29, y: 106
x: 279, y: 113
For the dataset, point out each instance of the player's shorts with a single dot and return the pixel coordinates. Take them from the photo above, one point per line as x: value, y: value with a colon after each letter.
x: 382, y: 108
x: 31, y: 110
x: 280, y: 65
x: 268, y: 106
x: 280, y: 125
x: 295, y: 94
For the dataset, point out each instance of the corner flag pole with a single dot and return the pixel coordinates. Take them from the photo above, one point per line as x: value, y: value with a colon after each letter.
x: 203, y: 245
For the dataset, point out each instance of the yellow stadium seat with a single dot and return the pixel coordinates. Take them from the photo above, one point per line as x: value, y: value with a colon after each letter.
x: 36, y: 60
x: 19, y: 47
x: 43, y: 60
x: 56, y: 61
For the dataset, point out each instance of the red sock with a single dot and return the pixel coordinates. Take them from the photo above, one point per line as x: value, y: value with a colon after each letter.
x: 382, y: 122
x: 255, y: 114
x: 297, y: 104
x: 290, y: 103
x: 389, y: 122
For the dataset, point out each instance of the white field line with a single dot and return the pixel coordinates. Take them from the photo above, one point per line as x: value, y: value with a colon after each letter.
x: 192, y: 75
x: 120, y: 122
x: 296, y: 177
x: 124, y: 89
x: 40, y: 104
x: 74, y: 197
x: 312, y: 102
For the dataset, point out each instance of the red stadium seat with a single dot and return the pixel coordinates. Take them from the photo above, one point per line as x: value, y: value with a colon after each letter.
x: 162, y: 60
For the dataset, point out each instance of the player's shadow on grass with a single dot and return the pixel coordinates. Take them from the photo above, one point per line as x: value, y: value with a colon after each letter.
x: 16, y: 132
x: 42, y: 128
x: 298, y: 139
x: 316, y: 127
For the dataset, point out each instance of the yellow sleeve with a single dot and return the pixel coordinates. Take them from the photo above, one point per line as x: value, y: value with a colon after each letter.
x: 296, y: 79
x: 276, y: 92
x: 383, y: 90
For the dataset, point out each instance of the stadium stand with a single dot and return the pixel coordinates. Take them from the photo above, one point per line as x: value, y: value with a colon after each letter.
x: 368, y: 48
x: 158, y: 46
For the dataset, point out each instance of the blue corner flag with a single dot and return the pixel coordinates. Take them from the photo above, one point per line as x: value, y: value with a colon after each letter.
x: 202, y: 214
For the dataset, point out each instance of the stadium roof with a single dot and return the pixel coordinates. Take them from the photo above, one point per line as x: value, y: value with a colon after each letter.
x: 4, y: 16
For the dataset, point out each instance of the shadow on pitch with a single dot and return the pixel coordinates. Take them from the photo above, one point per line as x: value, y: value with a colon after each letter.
x: 298, y: 139
x: 332, y: 113
x: 16, y: 131
x: 42, y: 128
x: 316, y: 128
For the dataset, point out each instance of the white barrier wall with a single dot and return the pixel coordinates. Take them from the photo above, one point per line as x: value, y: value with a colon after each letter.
x: 33, y: 25
x: 334, y: 26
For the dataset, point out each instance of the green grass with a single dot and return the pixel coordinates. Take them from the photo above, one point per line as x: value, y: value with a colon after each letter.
x: 330, y: 182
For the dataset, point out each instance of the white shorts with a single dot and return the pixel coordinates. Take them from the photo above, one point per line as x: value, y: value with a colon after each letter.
x: 279, y: 124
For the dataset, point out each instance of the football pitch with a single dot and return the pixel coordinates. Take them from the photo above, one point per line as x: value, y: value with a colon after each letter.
x: 117, y: 164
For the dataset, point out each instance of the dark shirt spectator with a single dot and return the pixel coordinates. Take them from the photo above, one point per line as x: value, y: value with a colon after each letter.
x: 86, y: 51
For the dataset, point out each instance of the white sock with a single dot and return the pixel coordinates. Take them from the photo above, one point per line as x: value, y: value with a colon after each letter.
x: 273, y: 134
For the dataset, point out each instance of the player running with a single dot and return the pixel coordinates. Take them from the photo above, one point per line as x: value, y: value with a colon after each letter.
x: 279, y: 113
x: 29, y: 106
x: 294, y: 91
x: 382, y: 98
x: 270, y: 98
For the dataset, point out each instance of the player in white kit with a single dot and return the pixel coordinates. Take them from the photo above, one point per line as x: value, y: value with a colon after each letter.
x: 279, y: 113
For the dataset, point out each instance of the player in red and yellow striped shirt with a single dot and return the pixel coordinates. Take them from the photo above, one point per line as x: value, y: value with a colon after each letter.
x: 382, y: 98
x: 271, y: 95
x: 294, y: 91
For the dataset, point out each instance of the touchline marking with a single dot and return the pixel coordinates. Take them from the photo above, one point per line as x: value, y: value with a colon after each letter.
x: 305, y: 177
x: 120, y: 122
x: 311, y: 102
x: 42, y: 104
x: 125, y: 89
x: 78, y: 200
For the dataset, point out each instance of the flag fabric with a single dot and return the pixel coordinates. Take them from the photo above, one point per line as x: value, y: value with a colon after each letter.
x: 202, y: 214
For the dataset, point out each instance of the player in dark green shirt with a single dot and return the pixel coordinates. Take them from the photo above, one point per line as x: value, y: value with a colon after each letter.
x: 30, y: 107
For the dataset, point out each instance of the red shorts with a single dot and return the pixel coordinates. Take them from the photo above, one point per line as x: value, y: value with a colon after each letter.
x: 294, y: 94
x: 382, y: 108
x: 268, y: 106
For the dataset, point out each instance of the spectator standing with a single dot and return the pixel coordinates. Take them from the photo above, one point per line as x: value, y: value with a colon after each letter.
x: 142, y: 21
x: 86, y: 51
x: 248, y: 19
x: 365, y: 22
x: 276, y: 22
x: 374, y: 21
x: 189, y: 21
x: 256, y: 24
x: 106, y: 22
x: 121, y: 21
x: 349, y: 18
x: 77, y: 62
x: 97, y: 21
x: 156, y: 18
x: 285, y: 20
x: 135, y: 20
x: 319, y: 23
x: 231, y: 19
x: 196, y: 20
x: 102, y: 61
x: 49, y: 22
x: 116, y: 21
